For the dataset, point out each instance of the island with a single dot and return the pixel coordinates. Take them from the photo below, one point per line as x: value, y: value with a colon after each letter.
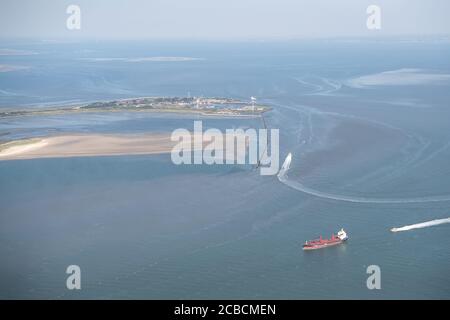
x: 204, y: 106
x: 84, y: 144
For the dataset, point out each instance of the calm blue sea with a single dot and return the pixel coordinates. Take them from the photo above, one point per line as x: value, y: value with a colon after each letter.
x: 368, y: 125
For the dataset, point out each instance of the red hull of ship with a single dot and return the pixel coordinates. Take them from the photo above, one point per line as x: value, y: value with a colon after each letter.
x: 320, y: 246
x: 322, y: 243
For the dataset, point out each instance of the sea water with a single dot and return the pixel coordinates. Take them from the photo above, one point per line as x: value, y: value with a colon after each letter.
x: 142, y: 227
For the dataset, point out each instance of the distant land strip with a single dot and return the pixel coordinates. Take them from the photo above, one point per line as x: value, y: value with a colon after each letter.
x: 204, y: 106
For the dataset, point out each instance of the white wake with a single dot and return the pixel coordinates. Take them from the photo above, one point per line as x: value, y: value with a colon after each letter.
x: 283, y: 178
x: 422, y: 225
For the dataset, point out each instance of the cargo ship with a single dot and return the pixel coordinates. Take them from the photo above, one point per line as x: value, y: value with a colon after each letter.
x: 320, y: 243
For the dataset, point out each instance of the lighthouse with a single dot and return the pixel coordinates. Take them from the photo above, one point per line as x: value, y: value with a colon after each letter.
x: 253, y: 103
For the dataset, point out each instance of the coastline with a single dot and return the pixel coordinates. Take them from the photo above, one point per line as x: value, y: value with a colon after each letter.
x: 75, y: 110
x: 85, y: 145
x: 12, y: 148
x: 230, y: 107
x: 94, y: 145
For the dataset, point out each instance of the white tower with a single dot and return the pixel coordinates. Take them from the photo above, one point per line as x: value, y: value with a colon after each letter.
x: 253, y: 103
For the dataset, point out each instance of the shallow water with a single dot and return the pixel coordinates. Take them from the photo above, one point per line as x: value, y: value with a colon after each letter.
x: 141, y: 227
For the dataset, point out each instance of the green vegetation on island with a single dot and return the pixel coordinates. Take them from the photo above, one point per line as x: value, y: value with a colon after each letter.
x: 205, y: 106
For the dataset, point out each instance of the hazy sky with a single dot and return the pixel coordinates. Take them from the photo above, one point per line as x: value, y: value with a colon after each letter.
x: 221, y: 19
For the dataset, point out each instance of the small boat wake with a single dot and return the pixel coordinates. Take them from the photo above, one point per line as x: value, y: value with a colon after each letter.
x: 283, y: 178
x: 422, y: 225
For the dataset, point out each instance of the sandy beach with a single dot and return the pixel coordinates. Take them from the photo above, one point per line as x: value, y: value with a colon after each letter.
x: 80, y: 145
x: 85, y: 145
